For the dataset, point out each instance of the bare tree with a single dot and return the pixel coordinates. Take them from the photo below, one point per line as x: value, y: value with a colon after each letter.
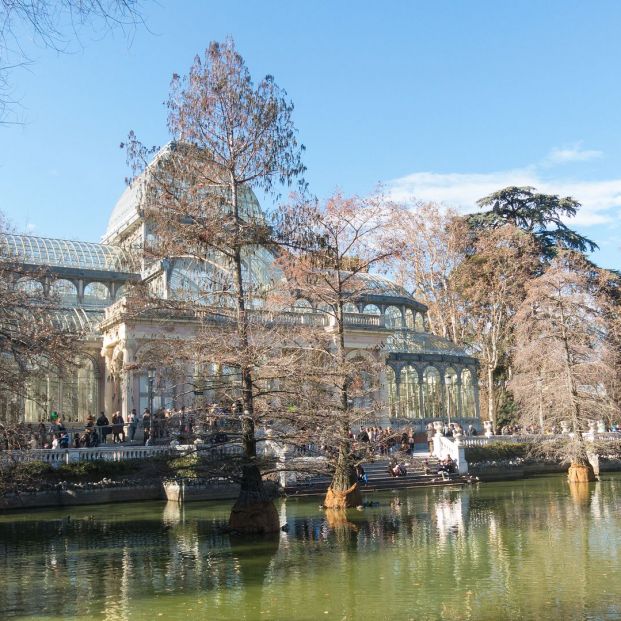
x: 229, y: 135
x: 54, y: 23
x: 562, y: 360
x: 352, y: 236
x: 434, y: 244
x: 35, y: 339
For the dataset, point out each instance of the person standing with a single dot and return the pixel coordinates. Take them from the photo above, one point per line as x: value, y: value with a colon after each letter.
x: 103, y: 426
x: 430, y: 434
x: 146, y: 425
x: 133, y: 425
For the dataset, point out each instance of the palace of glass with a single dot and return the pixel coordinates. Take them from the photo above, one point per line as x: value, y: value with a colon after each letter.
x: 425, y: 378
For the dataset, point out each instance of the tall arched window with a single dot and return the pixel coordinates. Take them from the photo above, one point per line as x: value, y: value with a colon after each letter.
x: 409, y: 319
x: 419, y: 323
x: 432, y: 394
x: 450, y: 383
x: 73, y: 395
x: 393, y: 317
x: 391, y: 389
x: 410, y: 405
x: 467, y: 394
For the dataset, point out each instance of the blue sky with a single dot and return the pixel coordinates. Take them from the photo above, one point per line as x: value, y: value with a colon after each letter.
x: 443, y: 101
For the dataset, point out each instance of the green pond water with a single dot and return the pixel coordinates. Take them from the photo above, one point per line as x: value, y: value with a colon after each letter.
x: 532, y: 549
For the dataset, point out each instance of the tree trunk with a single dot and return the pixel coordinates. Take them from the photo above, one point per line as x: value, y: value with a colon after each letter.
x: 491, y: 405
x: 344, y: 491
x: 254, y: 512
x: 580, y: 473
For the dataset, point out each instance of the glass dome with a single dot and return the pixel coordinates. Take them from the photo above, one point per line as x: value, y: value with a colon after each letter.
x: 375, y: 285
x: 128, y: 207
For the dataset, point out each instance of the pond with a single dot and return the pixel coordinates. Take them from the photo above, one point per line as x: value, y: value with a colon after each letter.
x: 532, y: 549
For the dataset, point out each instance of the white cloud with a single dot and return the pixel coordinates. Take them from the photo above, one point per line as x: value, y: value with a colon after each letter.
x: 601, y: 200
x: 574, y: 153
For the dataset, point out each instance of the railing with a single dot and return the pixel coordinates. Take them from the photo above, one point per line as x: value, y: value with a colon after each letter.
x: 56, y: 457
x: 469, y: 441
x: 361, y: 320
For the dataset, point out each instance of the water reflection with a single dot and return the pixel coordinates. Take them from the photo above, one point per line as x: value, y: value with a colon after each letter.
x: 524, y: 550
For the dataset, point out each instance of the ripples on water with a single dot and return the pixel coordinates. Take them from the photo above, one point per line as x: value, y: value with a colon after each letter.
x: 523, y: 550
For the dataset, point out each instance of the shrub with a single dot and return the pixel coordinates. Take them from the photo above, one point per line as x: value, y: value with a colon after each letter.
x: 495, y: 451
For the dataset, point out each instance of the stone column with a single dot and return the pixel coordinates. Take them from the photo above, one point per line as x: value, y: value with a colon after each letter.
x: 475, y: 390
x: 128, y: 399
x: 421, y: 396
x: 442, y: 393
x: 460, y: 407
x: 108, y: 384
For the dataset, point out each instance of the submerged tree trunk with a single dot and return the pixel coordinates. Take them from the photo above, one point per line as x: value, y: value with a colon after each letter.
x: 254, y: 512
x: 580, y: 473
x: 344, y: 491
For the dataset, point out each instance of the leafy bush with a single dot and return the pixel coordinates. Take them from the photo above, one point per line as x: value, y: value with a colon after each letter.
x: 496, y: 451
x: 94, y: 470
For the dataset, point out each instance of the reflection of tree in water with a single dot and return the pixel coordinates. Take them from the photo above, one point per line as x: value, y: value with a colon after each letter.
x: 519, y: 540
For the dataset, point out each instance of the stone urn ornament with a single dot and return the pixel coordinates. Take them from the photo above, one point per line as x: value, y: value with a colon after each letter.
x: 489, y: 428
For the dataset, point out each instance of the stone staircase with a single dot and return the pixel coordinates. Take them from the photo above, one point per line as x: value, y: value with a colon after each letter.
x: 381, y: 480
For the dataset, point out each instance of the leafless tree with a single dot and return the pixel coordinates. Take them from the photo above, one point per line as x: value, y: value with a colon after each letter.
x: 34, y: 339
x: 352, y: 237
x: 434, y: 243
x: 55, y: 24
x: 228, y: 135
x: 562, y: 360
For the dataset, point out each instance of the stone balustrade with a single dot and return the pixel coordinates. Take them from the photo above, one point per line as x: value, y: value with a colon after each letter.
x: 56, y: 457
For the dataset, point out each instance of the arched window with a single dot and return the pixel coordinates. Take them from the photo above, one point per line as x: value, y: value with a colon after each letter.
x: 371, y: 309
x: 302, y: 306
x: 393, y: 317
x: 65, y: 291
x: 410, y: 405
x: 121, y: 292
x: 431, y: 391
x: 360, y: 390
x: 409, y: 319
x: 419, y: 322
x: 450, y: 383
x: 391, y: 390
x: 467, y: 394
x: 348, y: 307
x: 29, y: 286
x: 96, y: 294
x: 73, y: 395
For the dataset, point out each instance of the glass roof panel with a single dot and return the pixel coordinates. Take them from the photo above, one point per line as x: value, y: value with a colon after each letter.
x: 64, y: 253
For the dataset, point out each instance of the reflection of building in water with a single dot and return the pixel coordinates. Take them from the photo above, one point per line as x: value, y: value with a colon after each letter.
x: 424, y: 377
x: 451, y: 515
